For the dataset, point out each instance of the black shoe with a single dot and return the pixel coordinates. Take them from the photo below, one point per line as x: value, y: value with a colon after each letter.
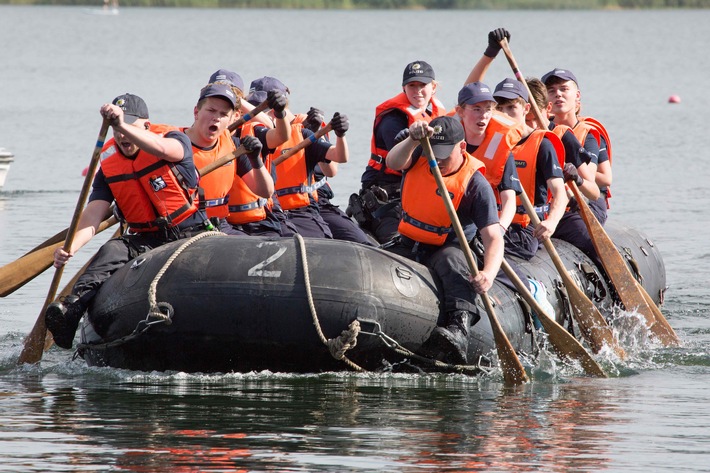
x: 449, y: 344
x: 62, y: 319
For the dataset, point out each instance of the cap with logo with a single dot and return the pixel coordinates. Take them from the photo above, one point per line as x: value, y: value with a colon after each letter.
x: 511, y: 89
x: 230, y: 77
x: 133, y: 107
x: 474, y: 93
x: 220, y: 90
x: 448, y: 132
x: 418, y: 71
x: 559, y: 73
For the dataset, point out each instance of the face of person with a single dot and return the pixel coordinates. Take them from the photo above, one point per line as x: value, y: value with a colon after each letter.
x: 419, y: 94
x: 211, y: 119
x: 125, y: 145
x: 475, y: 117
x: 453, y: 162
x: 515, y: 110
x: 563, y: 96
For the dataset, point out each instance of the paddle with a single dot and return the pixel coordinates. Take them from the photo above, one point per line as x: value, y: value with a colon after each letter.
x: 49, y: 340
x: 23, y: 270
x: 563, y: 342
x: 631, y: 293
x: 592, y: 324
x: 248, y: 116
x: 513, y: 371
x: 34, y: 343
x: 302, y: 144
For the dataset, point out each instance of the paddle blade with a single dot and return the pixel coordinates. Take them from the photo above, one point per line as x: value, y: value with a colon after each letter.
x: 23, y: 270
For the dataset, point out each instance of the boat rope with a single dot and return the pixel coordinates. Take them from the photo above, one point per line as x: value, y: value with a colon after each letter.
x: 163, y: 310
x: 348, y: 338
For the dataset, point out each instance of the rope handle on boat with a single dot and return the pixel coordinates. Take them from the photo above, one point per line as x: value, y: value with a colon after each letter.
x: 163, y: 310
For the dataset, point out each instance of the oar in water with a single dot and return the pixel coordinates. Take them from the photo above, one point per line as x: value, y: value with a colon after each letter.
x: 302, y: 144
x: 631, y: 293
x: 563, y: 342
x: 594, y: 327
x: 513, y: 371
x: 23, y: 270
x: 34, y: 343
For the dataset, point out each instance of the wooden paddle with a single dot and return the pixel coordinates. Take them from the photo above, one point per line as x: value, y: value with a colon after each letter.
x: 248, y: 116
x: 49, y: 340
x: 23, y: 270
x: 631, y: 293
x: 302, y: 144
x: 592, y: 324
x: 563, y: 342
x: 513, y: 371
x: 34, y: 343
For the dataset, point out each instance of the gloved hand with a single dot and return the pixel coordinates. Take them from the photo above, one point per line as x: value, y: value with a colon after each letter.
x: 340, y: 124
x: 570, y: 173
x: 494, y: 39
x: 277, y: 102
x: 314, y: 119
x: 401, y: 136
x: 419, y: 130
x: 253, y: 148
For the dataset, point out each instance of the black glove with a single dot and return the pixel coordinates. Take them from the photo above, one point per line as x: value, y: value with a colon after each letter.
x: 277, y: 102
x: 314, y: 119
x: 401, y: 136
x: 494, y: 39
x: 253, y: 147
x: 570, y: 173
x: 340, y: 124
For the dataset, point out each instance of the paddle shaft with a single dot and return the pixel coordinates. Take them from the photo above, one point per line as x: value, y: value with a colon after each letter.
x: 563, y: 342
x: 248, y: 116
x: 34, y: 343
x: 302, y: 144
x: 630, y: 291
x: 513, y: 371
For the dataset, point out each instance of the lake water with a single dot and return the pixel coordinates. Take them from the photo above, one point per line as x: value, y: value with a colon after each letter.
x: 59, y: 64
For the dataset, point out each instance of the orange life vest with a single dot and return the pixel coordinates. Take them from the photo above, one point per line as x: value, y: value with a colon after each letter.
x: 244, y: 205
x: 216, y: 185
x: 526, y: 164
x: 596, y: 124
x: 399, y: 102
x: 501, y: 136
x: 151, y: 192
x: 424, y: 215
x: 295, y: 185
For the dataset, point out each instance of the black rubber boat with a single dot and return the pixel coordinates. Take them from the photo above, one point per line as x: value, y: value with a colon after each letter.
x: 226, y: 304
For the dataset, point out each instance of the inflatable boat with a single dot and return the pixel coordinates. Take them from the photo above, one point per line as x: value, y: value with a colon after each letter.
x: 220, y: 304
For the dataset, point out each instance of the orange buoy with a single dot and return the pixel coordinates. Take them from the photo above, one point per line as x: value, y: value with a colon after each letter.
x: 86, y: 170
x: 673, y: 99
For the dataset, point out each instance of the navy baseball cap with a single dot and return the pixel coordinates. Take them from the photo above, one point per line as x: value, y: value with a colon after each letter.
x: 559, y: 73
x: 256, y: 97
x: 511, y: 89
x: 230, y: 77
x: 418, y: 71
x: 133, y: 107
x: 220, y: 90
x: 267, y: 84
x: 448, y: 132
x: 475, y: 92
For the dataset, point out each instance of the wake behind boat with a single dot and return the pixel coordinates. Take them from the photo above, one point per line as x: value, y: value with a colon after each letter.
x: 242, y: 304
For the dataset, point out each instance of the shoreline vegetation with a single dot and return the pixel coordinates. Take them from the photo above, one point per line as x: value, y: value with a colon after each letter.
x: 390, y: 4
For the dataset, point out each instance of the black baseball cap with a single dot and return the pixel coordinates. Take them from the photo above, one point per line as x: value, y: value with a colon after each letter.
x: 418, y: 71
x: 448, y: 132
x: 511, y: 89
x: 133, y: 107
x: 563, y: 74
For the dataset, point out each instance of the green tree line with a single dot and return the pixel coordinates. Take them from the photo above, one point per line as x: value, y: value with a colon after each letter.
x: 389, y: 4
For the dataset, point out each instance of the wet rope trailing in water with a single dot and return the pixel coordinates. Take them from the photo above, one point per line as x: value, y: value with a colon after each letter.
x: 155, y: 307
x: 348, y: 338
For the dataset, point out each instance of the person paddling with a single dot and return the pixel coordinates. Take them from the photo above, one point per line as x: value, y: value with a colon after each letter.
x: 377, y: 206
x: 157, y: 207
x: 427, y: 235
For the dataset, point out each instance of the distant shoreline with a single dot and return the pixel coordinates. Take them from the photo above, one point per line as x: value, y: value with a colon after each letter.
x: 390, y: 4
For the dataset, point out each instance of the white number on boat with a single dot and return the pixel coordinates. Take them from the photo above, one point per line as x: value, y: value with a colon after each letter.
x: 258, y: 269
